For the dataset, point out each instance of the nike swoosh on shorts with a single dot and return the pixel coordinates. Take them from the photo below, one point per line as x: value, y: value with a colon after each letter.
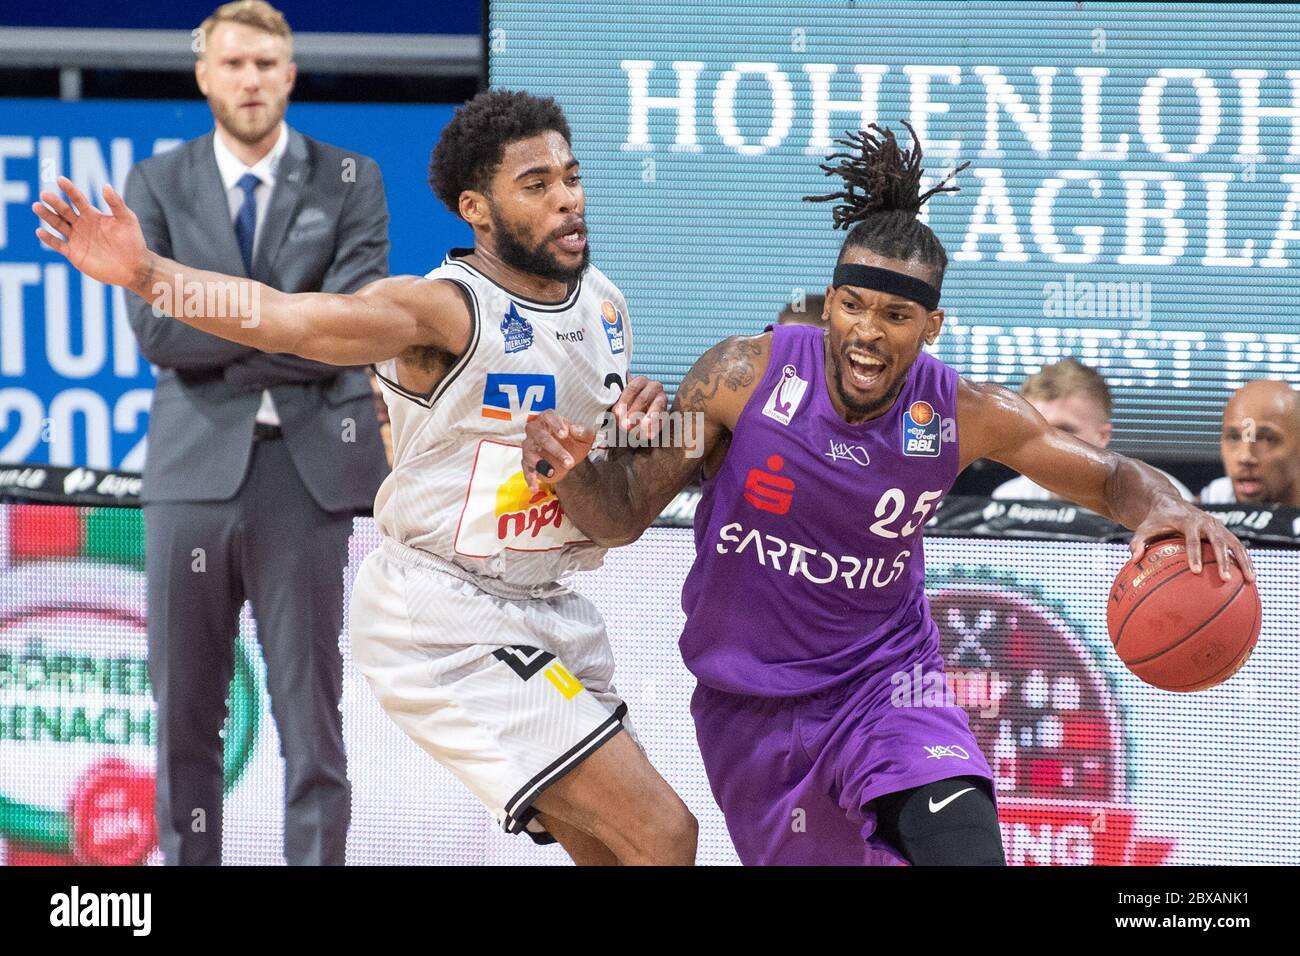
x: 936, y: 807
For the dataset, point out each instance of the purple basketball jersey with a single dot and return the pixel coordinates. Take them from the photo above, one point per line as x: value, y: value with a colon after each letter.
x: 809, y: 570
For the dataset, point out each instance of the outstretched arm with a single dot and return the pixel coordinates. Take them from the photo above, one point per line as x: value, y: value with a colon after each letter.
x: 164, y: 342
x: 374, y: 324
x: 996, y: 423
x: 615, y: 500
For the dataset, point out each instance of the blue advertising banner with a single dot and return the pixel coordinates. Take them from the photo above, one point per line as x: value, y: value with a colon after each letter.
x: 74, y: 389
x: 1132, y: 198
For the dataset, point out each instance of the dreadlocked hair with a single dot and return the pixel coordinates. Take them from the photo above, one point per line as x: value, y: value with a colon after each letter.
x: 881, y: 197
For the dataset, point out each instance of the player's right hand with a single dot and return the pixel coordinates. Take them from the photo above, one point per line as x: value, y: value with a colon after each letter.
x: 109, y: 248
x: 557, y: 441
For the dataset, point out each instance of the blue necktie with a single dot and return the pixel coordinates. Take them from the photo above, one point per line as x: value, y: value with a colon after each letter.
x: 246, y: 219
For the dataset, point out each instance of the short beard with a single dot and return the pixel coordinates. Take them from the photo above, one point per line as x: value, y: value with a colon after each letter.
x: 859, y: 410
x: 536, y: 260
x: 229, y: 120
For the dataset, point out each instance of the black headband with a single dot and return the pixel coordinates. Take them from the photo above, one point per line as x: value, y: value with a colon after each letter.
x: 886, y: 280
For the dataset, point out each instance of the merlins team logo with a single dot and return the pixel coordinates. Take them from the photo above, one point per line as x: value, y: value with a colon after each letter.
x: 921, y: 431
x: 784, y: 400
x: 613, y: 325
x: 516, y: 330
x: 509, y: 397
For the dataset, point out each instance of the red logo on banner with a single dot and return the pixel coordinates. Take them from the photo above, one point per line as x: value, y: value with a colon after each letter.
x: 112, y: 811
x: 1043, y: 715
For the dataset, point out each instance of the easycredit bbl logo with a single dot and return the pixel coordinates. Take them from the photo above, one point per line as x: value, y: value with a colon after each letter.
x: 921, y: 431
x: 509, y: 397
x: 612, y: 323
x: 77, y: 713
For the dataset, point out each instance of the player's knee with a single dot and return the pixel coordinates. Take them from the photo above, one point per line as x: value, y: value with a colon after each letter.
x: 951, y: 822
x: 670, y: 834
x: 678, y: 834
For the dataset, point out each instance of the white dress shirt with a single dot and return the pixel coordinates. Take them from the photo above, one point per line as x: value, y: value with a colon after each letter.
x: 1219, y: 492
x: 232, y: 169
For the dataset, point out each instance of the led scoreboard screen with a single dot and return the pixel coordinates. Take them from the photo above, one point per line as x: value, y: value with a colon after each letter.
x: 1132, y: 197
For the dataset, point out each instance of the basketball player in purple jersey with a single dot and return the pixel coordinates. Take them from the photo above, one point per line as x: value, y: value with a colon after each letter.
x: 824, y: 455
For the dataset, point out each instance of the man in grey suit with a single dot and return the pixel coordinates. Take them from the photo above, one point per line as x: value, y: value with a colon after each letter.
x: 256, y: 463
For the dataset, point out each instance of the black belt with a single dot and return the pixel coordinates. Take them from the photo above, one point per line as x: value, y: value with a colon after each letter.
x: 264, y: 432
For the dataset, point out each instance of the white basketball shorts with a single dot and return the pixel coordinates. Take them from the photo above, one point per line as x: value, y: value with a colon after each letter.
x: 509, y: 694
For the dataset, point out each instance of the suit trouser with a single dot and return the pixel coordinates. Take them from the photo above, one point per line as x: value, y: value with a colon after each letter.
x: 273, y: 545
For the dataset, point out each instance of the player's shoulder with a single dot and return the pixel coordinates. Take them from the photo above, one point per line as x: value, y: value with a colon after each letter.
x: 985, y: 396
x: 597, y: 284
x: 742, y: 353
x: 991, y: 416
x: 727, y: 373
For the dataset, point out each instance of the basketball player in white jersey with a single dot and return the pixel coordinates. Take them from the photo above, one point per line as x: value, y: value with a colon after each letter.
x: 459, y: 621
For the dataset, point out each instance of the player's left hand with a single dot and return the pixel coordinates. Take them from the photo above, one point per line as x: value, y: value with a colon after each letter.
x: 110, y: 248
x: 639, y: 407
x: 1170, y: 516
x: 552, y: 447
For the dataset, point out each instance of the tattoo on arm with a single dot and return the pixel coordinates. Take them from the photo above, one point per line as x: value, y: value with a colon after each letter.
x: 615, y: 500
x: 730, y: 363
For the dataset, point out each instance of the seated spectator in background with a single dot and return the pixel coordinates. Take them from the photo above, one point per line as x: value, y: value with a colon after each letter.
x: 1260, y: 447
x: 1075, y: 399
x: 810, y: 314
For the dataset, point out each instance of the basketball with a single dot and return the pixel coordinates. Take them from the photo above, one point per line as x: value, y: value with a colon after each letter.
x: 1178, y: 630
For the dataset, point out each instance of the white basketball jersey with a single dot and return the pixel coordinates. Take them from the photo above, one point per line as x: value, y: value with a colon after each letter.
x: 457, y: 487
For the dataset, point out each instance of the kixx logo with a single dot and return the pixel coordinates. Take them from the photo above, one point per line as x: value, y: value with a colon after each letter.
x: 76, y: 713
x: 843, y: 451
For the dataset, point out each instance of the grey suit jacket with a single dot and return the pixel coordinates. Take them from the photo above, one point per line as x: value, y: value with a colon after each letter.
x: 325, y: 230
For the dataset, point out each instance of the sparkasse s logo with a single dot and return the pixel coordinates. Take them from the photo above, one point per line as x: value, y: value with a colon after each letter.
x: 767, y: 491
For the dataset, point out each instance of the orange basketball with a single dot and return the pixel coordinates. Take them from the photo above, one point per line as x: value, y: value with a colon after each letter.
x: 1178, y: 630
x: 921, y: 413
